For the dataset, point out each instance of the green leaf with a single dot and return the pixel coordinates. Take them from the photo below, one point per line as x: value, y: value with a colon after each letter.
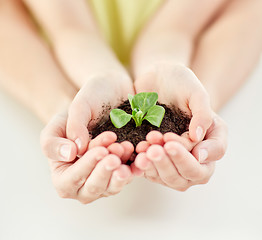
x: 130, y: 98
x: 145, y: 100
x: 119, y: 117
x: 155, y: 115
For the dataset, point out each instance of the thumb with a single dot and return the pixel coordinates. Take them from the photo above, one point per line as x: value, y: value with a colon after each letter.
x: 53, y: 142
x: 201, y: 120
x: 79, y: 116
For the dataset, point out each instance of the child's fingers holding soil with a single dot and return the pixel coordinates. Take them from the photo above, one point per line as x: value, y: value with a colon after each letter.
x: 119, y: 179
x: 97, y: 182
x: 186, y: 164
x: 128, y: 151
x: 104, y: 139
x: 183, y: 139
x: 117, y: 149
x: 165, y: 167
x: 142, y: 146
x: 145, y: 165
x: 155, y: 137
x: 69, y: 178
x: 136, y: 171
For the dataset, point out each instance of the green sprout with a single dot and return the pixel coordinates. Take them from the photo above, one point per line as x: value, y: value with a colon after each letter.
x: 143, y: 107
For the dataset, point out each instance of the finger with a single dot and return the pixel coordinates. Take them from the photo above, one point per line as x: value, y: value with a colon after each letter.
x: 53, y: 142
x: 79, y: 116
x: 141, y: 161
x: 144, y: 164
x: 128, y: 151
x: 183, y: 139
x: 165, y: 167
x: 119, y: 179
x: 136, y: 171
x: 186, y: 164
x: 155, y: 137
x: 214, y: 147
x: 117, y: 149
x: 142, y: 146
x: 201, y: 115
x: 72, y: 178
x: 97, y: 182
x: 104, y: 139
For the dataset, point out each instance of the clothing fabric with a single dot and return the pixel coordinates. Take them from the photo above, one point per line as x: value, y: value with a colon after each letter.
x: 121, y: 20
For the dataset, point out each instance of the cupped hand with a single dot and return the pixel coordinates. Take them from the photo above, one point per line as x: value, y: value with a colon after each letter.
x: 176, y: 161
x: 99, y: 172
x: 93, y: 102
x: 166, y: 159
x: 181, y: 161
x: 178, y: 86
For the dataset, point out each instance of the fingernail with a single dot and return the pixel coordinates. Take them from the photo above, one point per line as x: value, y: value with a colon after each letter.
x: 199, y: 133
x: 202, y: 156
x: 65, y: 151
x: 78, y: 143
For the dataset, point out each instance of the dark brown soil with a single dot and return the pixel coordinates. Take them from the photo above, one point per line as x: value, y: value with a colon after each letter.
x: 173, y: 121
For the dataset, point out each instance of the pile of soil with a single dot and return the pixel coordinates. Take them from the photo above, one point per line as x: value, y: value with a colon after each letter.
x: 174, y: 121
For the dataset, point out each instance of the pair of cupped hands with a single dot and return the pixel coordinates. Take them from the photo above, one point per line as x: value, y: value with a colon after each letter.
x: 87, y: 169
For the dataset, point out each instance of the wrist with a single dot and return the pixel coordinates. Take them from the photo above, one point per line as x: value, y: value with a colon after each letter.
x: 92, y: 56
x: 170, y: 47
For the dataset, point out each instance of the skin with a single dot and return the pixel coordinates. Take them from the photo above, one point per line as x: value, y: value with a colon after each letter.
x: 93, y: 68
x: 99, y: 172
x: 192, y: 44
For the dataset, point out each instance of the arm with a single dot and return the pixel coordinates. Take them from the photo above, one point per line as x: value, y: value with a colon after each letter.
x: 75, y: 39
x: 27, y: 68
x: 160, y: 64
x: 163, y: 52
x: 229, y: 49
x: 86, y: 59
x: 171, y: 33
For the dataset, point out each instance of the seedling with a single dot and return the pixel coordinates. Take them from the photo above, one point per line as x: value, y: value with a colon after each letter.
x: 143, y: 108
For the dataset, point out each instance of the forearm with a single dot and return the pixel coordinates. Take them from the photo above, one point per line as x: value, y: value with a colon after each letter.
x: 27, y: 69
x: 84, y: 55
x: 75, y: 38
x: 170, y: 35
x: 169, y: 47
x: 229, y: 50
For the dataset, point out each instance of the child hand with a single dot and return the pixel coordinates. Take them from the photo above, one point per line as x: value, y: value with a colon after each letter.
x: 174, y: 166
x: 179, y: 163
x: 98, y: 173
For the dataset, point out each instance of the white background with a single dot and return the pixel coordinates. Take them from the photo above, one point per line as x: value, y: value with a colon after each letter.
x: 228, y: 207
